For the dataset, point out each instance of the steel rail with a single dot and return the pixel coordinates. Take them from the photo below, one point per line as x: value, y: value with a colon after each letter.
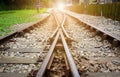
x: 73, y: 67
x: 64, y: 31
x: 54, y: 33
x: 47, y: 58
x: 56, y: 20
x: 45, y: 63
x: 64, y: 19
x: 115, y: 36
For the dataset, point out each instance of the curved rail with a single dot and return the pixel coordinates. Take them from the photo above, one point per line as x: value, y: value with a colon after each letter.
x: 47, y: 58
x: 64, y: 19
x: 69, y: 57
x: 60, y: 31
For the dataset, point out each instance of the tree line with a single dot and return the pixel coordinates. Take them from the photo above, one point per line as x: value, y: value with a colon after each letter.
x: 23, y: 4
x: 111, y: 10
x: 29, y: 4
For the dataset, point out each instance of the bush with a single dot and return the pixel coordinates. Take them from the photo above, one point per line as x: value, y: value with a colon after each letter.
x: 108, y: 10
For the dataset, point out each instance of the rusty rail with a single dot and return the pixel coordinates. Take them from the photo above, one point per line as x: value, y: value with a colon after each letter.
x: 64, y: 19
x: 47, y: 58
x: 60, y: 31
x: 69, y: 57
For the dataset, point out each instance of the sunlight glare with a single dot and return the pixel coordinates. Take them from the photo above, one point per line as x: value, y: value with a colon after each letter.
x: 60, y: 6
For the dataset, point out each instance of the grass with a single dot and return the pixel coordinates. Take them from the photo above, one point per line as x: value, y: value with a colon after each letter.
x: 12, y: 17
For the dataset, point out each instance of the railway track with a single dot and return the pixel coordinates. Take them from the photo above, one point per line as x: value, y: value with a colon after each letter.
x: 25, y: 50
x: 62, y: 47
x: 59, y: 61
x: 14, y: 64
x: 105, y: 33
x: 96, y: 54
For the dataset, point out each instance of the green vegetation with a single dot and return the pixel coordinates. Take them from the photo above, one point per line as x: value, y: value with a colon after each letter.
x: 10, y: 18
x: 23, y: 4
x: 108, y: 10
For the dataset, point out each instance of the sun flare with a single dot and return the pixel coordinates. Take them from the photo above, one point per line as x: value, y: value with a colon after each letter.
x: 60, y: 6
